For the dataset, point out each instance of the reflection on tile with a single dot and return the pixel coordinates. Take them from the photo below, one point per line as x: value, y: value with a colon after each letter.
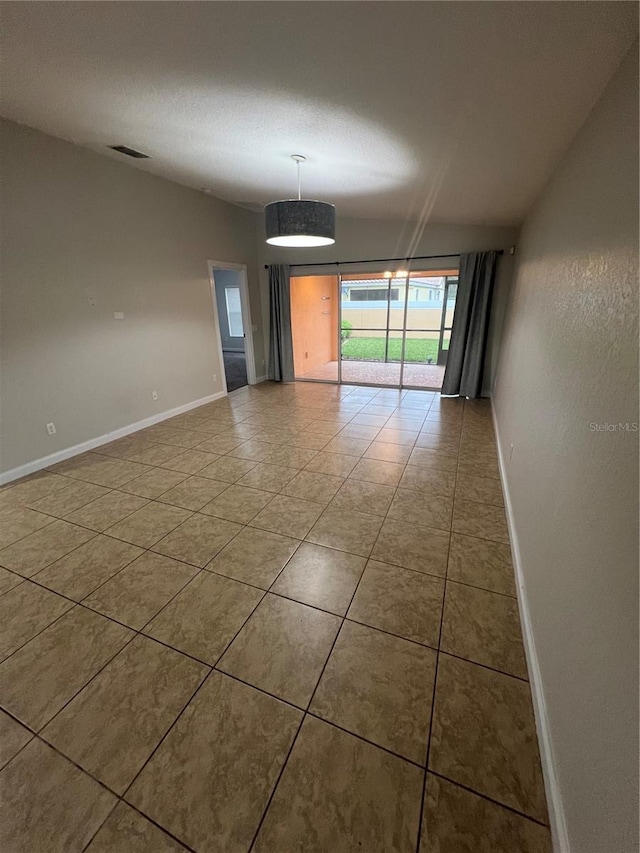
x: 130, y: 832
x: 139, y: 591
x: 72, y: 496
x: 237, y: 503
x: 115, y: 723
x: 189, y: 462
x: 149, y: 524
x: 292, y: 457
x: 198, y: 540
x: 254, y: 556
x: 405, y: 603
x: 153, y: 483
x: 354, y: 532
x: 321, y: 577
x: 372, y: 798
x: 13, y: 737
x: 270, y: 478
x: 104, y: 512
x: 203, y: 619
x: 405, y: 437
x: 361, y: 496
x: 418, y: 508
x: 442, y: 444
x: 282, y: 649
x: 47, y: 672
x: 379, y: 687
x: 429, y: 481
x: 457, y: 821
x: 224, y: 755
x: 347, y: 446
x: 335, y: 464
x: 80, y: 572
x: 313, y: 486
x: 481, y: 563
x: 37, y: 550
x: 476, y: 742
x: 193, y: 493
x: 50, y: 804
x: 288, y: 516
x: 485, y: 490
x: 386, y: 452
x: 481, y: 520
x: 8, y: 580
x: 413, y: 547
x: 483, y: 627
x: 254, y: 449
x: 378, y: 471
x: 24, y: 611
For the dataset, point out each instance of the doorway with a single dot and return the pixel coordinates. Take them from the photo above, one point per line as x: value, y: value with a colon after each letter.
x: 233, y: 320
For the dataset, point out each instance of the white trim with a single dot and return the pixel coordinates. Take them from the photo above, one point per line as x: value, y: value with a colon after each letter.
x: 249, y: 354
x: 61, y: 455
x: 559, y: 835
x: 261, y: 379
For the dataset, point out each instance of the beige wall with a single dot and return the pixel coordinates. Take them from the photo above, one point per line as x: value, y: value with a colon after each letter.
x: 78, y: 227
x: 569, y: 360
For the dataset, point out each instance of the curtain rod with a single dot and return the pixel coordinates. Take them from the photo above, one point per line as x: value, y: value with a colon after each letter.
x: 379, y: 260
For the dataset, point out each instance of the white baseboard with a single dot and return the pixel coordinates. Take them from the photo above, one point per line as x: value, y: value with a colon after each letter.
x: 261, y: 379
x: 559, y: 835
x: 67, y: 453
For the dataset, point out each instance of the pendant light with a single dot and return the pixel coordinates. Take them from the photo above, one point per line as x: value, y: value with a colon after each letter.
x: 300, y: 222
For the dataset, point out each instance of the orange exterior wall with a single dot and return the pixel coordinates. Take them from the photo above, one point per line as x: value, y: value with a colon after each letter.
x: 314, y: 321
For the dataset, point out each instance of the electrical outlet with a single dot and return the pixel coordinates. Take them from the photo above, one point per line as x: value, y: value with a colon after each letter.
x: 92, y: 301
x: 215, y: 377
x: 51, y: 429
x: 511, y: 453
x: 154, y: 395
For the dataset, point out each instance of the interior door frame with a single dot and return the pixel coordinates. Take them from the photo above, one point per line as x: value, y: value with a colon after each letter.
x: 249, y: 353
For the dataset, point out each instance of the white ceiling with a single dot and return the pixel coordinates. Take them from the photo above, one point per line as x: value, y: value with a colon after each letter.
x: 451, y: 111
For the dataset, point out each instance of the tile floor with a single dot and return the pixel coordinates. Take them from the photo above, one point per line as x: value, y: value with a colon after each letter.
x: 284, y: 621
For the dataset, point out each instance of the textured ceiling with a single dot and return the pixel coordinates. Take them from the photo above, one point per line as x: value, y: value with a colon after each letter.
x: 448, y: 111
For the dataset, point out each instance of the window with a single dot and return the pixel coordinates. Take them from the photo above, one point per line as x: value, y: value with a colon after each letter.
x: 374, y: 294
x: 234, y: 312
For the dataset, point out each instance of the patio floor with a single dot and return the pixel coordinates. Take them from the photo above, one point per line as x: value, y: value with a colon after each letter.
x: 380, y: 373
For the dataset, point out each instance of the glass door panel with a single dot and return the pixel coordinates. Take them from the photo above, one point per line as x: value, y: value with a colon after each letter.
x: 425, y: 302
x: 314, y: 327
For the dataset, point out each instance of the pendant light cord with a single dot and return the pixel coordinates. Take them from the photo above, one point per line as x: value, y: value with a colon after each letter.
x: 299, y: 193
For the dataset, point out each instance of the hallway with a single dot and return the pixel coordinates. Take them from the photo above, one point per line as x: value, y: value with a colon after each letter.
x: 283, y: 621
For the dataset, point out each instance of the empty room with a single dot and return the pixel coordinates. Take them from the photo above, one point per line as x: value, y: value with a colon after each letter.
x: 319, y: 427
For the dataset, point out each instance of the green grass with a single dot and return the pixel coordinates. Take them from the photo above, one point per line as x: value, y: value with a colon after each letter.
x: 372, y: 349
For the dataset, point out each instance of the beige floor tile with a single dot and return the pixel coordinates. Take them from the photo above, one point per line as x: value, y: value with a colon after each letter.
x: 386, y: 452
x: 282, y: 649
x: 485, y: 490
x: 362, y: 496
x: 114, y: 724
x: 347, y: 446
x: 335, y: 464
x: 227, y: 469
x: 202, y: 620
x: 309, y: 440
x: 359, y: 431
x: 13, y: 737
x: 313, y: 486
x: 269, y: 478
x: 442, y: 444
x: 221, y: 444
x: 137, y: 593
x: 40, y: 678
x: 39, y: 549
x: 255, y: 557
x: 224, y: 756
x: 24, y: 611
x: 292, y: 457
x: 170, y: 435
x: 483, y: 627
x: 83, y: 570
x: 321, y: 577
x: 405, y: 437
x: 31, y: 488
x: 148, y: 525
x: 474, y: 463
x: 405, y: 603
x: 8, y: 580
x: 254, y: 449
x: 193, y: 493
x: 413, y: 547
x: 457, y: 821
x: 379, y: 687
x: 189, y: 462
x: 439, y: 428
x: 428, y: 481
x: 354, y: 532
x: 107, y: 511
x: 480, y: 744
x: 102, y: 470
x: 16, y: 522
x: 51, y: 805
x: 153, y: 483
x: 480, y: 520
x: 129, y: 832
x: 428, y: 510
x: 370, y: 420
x: 340, y: 794
x: 481, y: 563
x: 198, y: 539
x: 377, y: 471
x: 238, y: 503
x: 68, y: 498
x: 155, y: 454
x: 288, y: 516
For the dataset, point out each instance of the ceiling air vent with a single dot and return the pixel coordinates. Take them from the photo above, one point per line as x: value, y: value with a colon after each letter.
x: 130, y: 152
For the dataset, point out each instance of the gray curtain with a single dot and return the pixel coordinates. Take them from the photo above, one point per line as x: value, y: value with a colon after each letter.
x: 465, y: 362
x: 280, y: 342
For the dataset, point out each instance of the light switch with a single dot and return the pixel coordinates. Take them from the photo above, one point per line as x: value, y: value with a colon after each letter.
x: 118, y: 315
